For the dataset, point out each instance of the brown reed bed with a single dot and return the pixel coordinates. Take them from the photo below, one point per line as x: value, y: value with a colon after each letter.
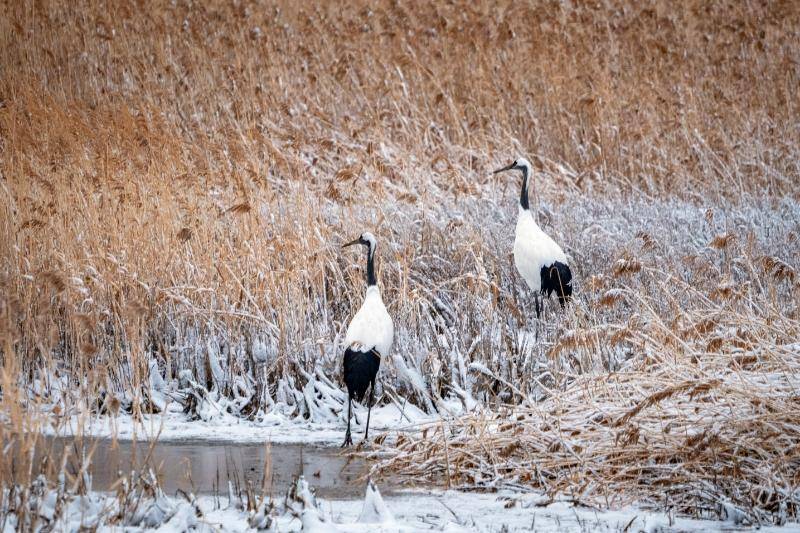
x: 699, y: 417
x: 175, y: 181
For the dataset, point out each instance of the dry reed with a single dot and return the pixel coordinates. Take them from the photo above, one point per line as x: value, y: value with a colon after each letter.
x: 175, y: 181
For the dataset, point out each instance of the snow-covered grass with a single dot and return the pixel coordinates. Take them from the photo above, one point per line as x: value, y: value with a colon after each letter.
x: 146, y: 507
x: 175, y: 182
x: 671, y: 381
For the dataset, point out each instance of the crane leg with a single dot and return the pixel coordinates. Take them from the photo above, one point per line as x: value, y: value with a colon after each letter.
x: 538, y: 302
x: 348, y: 440
x: 369, y: 410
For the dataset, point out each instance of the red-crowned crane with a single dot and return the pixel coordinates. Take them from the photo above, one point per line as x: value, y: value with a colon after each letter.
x: 369, y: 337
x: 539, y: 260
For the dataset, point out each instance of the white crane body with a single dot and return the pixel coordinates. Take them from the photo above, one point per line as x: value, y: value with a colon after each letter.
x: 534, y: 250
x: 539, y: 260
x: 369, y: 338
x: 371, y: 327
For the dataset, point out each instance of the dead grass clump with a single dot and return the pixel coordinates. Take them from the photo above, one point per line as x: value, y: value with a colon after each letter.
x: 627, y: 265
x: 778, y: 269
x: 720, y: 242
x: 664, y: 396
x: 721, y: 447
x: 176, y: 181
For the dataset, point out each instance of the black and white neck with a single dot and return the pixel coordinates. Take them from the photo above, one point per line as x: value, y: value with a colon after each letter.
x: 523, y: 194
x: 523, y: 166
x: 371, y: 279
x: 368, y: 239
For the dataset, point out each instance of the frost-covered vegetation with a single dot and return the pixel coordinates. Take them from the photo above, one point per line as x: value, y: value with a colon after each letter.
x: 177, y: 182
x: 142, y: 506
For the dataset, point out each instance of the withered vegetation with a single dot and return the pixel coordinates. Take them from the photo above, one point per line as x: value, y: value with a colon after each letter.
x: 176, y: 179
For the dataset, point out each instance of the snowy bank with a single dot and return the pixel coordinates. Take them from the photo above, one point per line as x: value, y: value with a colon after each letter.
x: 301, y: 510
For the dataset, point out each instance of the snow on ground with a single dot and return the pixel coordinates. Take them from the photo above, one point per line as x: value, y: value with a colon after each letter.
x: 174, y: 425
x: 449, y: 511
x: 459, y: 511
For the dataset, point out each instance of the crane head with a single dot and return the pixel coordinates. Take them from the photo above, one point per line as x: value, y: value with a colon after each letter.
x: 518, y: 164
x: 366, y: 238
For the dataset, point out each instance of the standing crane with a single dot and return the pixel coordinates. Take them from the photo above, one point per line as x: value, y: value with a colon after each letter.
x: 369, y: 337
x: 539, y: 260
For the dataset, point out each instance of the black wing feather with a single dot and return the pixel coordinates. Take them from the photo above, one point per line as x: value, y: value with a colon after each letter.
x: 360, y: 369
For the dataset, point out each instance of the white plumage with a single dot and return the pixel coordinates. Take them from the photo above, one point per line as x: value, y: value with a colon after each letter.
x: 534, y: 250
x: 371, y: 327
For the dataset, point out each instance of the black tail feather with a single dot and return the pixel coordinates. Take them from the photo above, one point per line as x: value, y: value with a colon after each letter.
x: 360, y: 369
x: 557, y: 278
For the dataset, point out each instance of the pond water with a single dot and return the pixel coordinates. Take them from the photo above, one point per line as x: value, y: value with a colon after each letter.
x: 205, y: 467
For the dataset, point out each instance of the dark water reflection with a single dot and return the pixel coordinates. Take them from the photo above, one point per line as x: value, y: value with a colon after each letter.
x: 205, y: 467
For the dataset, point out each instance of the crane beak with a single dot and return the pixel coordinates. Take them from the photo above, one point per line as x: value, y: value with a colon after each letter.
x: 351, y: 243
x: 508, y: 167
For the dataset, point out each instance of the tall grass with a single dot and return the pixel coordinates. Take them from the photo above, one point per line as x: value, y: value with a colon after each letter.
x: 677, y: 386
x: 176, y: 181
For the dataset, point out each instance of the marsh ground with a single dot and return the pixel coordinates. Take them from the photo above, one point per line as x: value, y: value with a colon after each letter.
x: 177, y: 179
